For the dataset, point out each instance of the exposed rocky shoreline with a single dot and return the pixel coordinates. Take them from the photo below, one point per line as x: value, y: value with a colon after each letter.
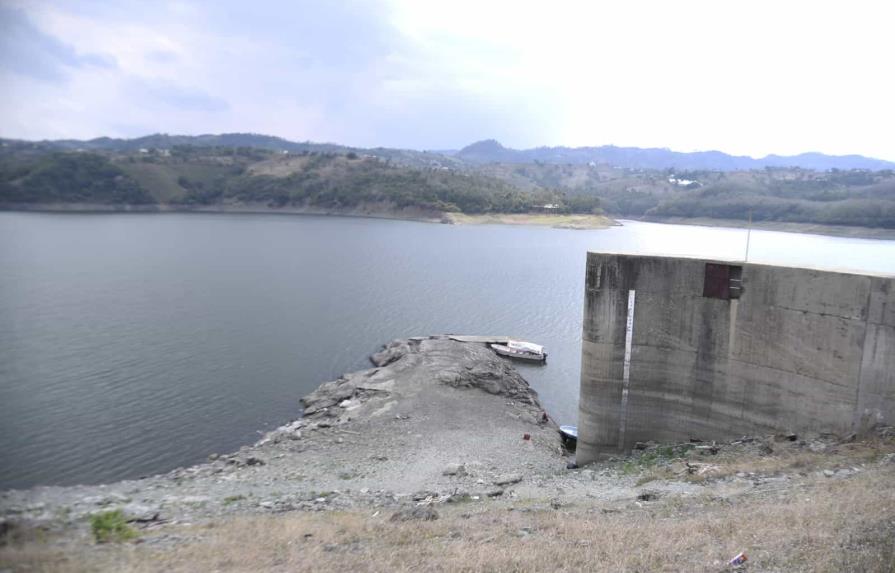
x: 433, y: 416
x: 443, y: 431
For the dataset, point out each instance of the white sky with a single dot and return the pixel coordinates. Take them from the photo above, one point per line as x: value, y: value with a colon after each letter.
x: 747, y: 78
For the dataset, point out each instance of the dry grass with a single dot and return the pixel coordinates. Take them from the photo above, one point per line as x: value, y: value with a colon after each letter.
x: 280, y: 166
x: 787, y: 458
x: 822, y: 525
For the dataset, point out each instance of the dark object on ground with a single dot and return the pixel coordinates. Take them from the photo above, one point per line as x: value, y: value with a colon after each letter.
x: 421, y: 513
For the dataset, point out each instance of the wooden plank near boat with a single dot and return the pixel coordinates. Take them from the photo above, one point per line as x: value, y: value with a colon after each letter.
x: 480, y: 339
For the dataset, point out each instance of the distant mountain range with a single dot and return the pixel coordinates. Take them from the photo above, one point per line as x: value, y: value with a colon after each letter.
x: 407, y: 157
x: 165, y: 141
x: 491, y: 151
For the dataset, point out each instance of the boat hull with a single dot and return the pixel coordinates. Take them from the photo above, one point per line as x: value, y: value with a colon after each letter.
x: 525, y: 356
x: 569, y: 432
x: 569, y: 435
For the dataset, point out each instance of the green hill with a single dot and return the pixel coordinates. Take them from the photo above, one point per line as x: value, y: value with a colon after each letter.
x: 206, y: 176
x: 255, y: 171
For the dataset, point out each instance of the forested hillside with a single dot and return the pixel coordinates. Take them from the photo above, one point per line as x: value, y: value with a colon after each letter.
x: 334, y: 178
x: 68, y: 178
x: 206, y: 176
x: 835, y: 197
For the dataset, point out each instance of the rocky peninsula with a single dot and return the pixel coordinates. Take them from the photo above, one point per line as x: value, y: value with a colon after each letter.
x: 434, y: 416
x: 440, y: 457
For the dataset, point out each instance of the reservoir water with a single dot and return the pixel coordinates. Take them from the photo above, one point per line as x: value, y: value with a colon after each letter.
x: 131, y: 344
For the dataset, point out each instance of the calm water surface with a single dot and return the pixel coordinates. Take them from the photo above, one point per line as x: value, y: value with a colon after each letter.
x: 132, y: 344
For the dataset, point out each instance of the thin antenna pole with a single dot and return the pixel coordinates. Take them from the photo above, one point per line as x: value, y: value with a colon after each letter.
x: 748, y: 235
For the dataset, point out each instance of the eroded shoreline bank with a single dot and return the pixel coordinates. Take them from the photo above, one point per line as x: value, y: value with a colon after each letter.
x: 778, y: 226
x: 570, y: 221
x: 585, y: 222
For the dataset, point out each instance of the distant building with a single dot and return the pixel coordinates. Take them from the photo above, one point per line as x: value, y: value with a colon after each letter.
x: 682, y: 182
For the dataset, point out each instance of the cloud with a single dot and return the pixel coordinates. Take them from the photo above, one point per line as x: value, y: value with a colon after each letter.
x: 161, y: 56
x: 27, y: 51
x: 441, y: 74
x: 162, y: 94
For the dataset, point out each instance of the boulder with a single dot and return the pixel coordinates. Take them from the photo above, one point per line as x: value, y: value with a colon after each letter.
x: 491, y: 375
x: 328, y: 395
x: 140, y: 513
x: 678, y: 467
x: 458, y: 470
x: 392, y: 352
x: 508, y: 479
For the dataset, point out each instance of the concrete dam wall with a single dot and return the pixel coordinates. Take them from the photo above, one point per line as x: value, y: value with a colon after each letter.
x: 679, y: 348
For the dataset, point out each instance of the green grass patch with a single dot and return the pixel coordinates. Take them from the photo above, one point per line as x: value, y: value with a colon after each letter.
x: 111, y: 526
x: 650, y: 459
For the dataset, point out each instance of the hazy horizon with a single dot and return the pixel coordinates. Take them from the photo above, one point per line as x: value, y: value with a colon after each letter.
x: 444, y: 150
x: 748, y: 80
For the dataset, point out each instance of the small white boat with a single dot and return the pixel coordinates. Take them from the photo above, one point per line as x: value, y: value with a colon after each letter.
x: 521, y: 350
x: 569, y: 433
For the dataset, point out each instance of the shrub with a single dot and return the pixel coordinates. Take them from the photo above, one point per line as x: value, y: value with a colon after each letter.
x: 111, y: 526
